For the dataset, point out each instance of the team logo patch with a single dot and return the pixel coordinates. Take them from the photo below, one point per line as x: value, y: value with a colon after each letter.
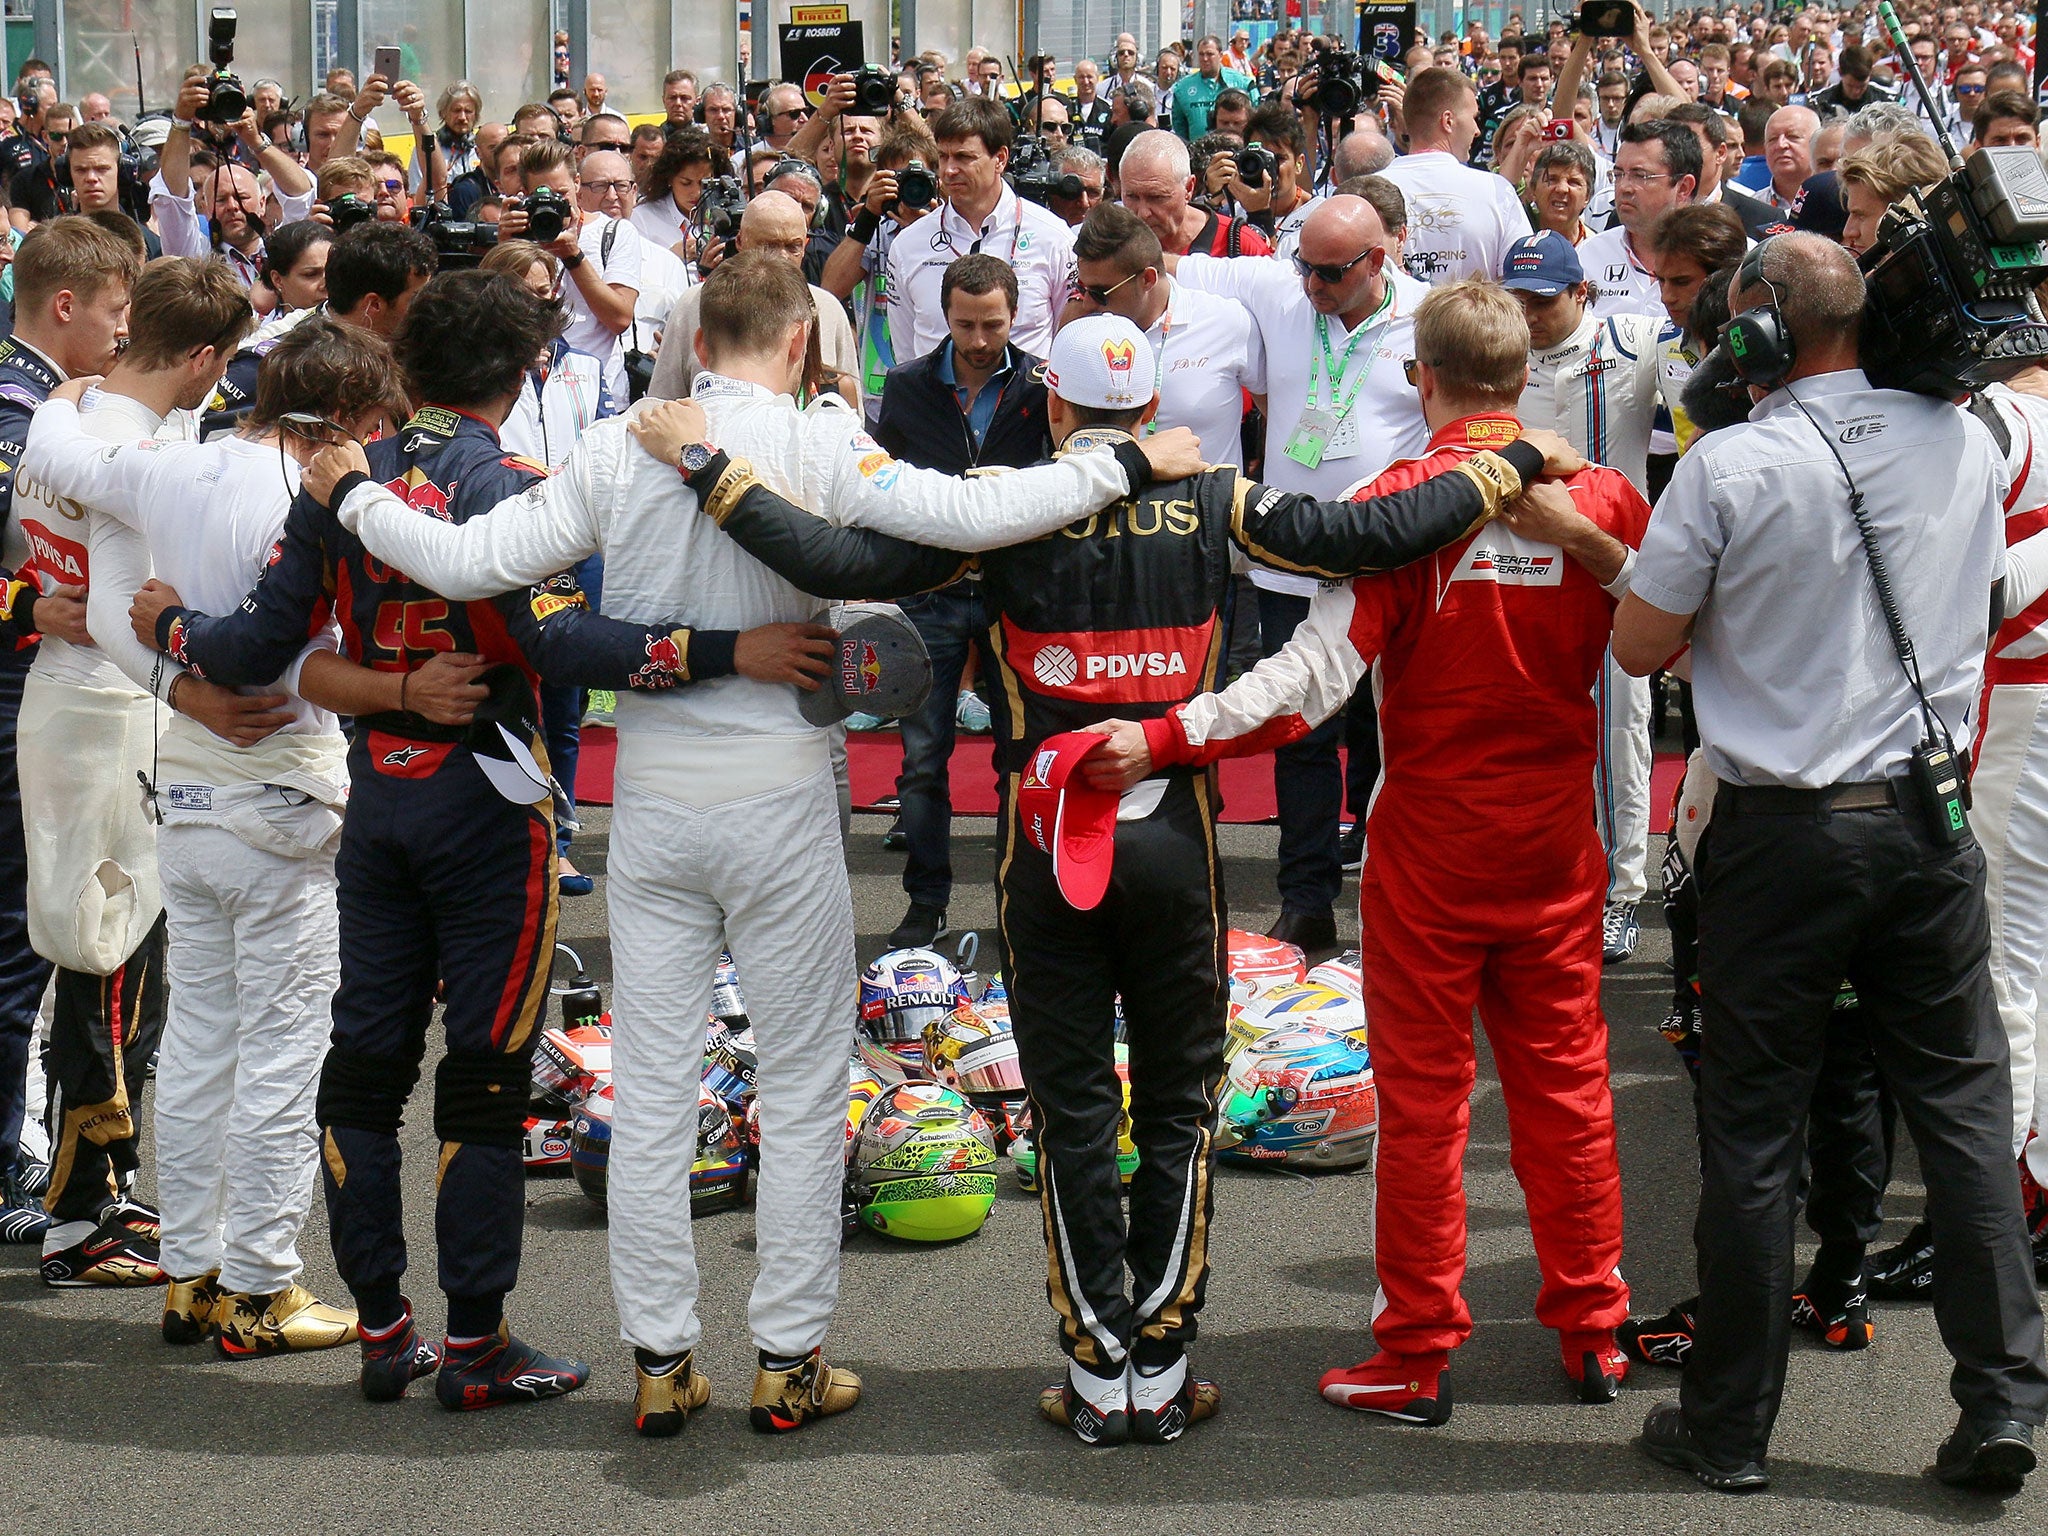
x: 1113, y: 666
x: 860, y: 669
x: 1054, y: 666
x: 1504, y: 557
x: 1119, y: 357
x: 398, y: 757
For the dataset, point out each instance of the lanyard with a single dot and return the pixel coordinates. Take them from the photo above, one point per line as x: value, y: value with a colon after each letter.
x: 1159, y: 367
x: 1334, y: 371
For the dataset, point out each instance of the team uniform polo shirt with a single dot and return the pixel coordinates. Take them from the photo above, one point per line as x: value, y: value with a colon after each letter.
x: 1460, y: 221
x: 1794, y: 678
x: 1385, y: 421
x: 1208, y: 352
x: 1621, y: 281
x: 1037, y: 245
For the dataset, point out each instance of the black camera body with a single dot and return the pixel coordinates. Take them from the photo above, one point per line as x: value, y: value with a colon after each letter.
x: 1036, y: 175
x: 348, y: 210
x: 1256, y: 164
x: 720, y: 206
x: 916, y: 186
x: 1951, y: 278
x: 547, y: 214
x: 457, y: 242
x: 874, y: 92
x: 228, y: 101
x: 1607, y: 18
x: 1344, y: 82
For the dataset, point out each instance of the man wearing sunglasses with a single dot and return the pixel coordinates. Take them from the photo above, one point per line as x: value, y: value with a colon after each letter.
x: 1336, y: 325
x: 784, y: 109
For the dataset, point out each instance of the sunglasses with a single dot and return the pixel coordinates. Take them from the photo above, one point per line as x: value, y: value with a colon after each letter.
x: 618, y: 147
x: 1328, y: 273
x: 798, y: 112
x: 314, y: 427
x: 1411, y: 368
x: 393, y: 187
x: 1096, y: 295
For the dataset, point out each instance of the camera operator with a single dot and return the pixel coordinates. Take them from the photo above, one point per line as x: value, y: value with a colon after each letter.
x: 90, y: 178
x: 604, y: 273
x: 1460, y: 221
x: 430, y: 165
x: 981, y: 213
x: 720, y: 110
x: 666, y: 212
x: 840, y: 140
x: 1157, y: 182
x: 858, y: 270
x: 801, y: 181
x: 1838, y: 846
x: 28, y: 146
x: 234, y: 224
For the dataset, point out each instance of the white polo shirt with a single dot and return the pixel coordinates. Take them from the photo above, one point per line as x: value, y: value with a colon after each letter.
x: 1621, y: 280
x: 585, y: 332
x: 1208, y: 353
x: 1460, y: 221
x: 1385, y: 421
x: 1037, y: 245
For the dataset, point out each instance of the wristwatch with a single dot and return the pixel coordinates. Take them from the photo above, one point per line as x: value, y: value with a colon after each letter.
x: 695, y: 457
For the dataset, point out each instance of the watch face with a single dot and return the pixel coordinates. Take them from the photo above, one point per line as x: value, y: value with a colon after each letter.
x: 696, y: 456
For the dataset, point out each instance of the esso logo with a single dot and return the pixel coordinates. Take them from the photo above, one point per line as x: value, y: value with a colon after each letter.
x: 1054, y: 666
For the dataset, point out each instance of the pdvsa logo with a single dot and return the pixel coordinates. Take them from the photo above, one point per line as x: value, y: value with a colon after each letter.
x: 1137, y: 664
x: 1055, y: 666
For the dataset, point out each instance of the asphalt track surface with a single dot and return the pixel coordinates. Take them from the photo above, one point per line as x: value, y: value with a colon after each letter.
x: 103, y: 1427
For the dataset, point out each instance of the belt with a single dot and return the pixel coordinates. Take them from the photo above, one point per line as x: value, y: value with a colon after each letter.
x: 1776, y: 800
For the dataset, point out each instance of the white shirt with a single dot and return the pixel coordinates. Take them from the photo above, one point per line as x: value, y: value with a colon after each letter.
x: 1460, y: 221
x: 1794, y: 678
x: 1385, y: 421
x: 1208, y: 353
x: 182, y: 232
x: 664, y: 276
x: 1621, y: 283
x: 1033, y: 242
x: 661, y: 223
x: 665, y: 562
x: 1598, y: 390
x: 1287, y: 230
x: 585, y: 332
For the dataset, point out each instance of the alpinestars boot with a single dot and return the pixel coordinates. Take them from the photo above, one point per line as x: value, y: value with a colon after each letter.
x: 77, y: 1255
x: 396, y: 1357
x: 492, y: 1372
x: 292, y: 1319
x: 668, y: 1391
x: 1665, y: 1340
x: 189, y: 1308
x: 1164, y: 1402
x: 788, y: 1397
x: 1904, y: 1272
x: 1096, y: 1408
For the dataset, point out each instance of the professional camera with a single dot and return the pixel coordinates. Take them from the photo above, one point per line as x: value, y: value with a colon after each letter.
x: 720, y: 206
x: 1344, y: 81
x: 228, y: 101
x: 457, y: 242
x: 1255, y: 164
x: 874, y: 91
x: 547, y: 214
x: 1034, y: 174
x: 1607, y: 18
x: 348, y: 210
x: 1952, y: 276
x: 916, y: 186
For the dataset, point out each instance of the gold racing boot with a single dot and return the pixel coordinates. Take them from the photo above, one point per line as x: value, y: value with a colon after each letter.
x: 667, y: 1393
x: 293, y: 1319
x: 189, y: 1308
x: 810, y: 1389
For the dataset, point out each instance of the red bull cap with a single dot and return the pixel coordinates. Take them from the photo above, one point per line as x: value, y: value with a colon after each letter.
x: 1062, y: 816
x: 880, y: 667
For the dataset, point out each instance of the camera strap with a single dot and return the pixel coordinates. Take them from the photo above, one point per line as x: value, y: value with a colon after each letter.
x: 1935, y: 769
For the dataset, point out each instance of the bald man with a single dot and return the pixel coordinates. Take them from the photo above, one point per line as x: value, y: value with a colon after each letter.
x: 1365, y: 151
x: 774, y: 222
x: 1158, y: 180
x: 1788, y: 151
x: 1339, y: 410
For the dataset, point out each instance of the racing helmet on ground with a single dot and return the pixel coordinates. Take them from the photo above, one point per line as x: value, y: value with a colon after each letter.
x: 924, y: 1165
x: 1344, y: 973
x: 1256, y: 962
x: 590, y: 1143
x: 1287, y: 1005
x: 1024, y: 1147
x: 901, y: 993
x: 720, y: 1176
x: 1301, y: 1097
x: 727, y: 1004
x: 974, y: 1052
x: 731, y: 1064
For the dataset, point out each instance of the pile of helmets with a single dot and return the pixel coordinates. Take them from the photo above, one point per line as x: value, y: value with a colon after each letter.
x: 1299, y: 1090
x: 570, y: 1063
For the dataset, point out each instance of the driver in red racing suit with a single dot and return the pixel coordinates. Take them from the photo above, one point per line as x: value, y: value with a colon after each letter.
x: 1484, y: 877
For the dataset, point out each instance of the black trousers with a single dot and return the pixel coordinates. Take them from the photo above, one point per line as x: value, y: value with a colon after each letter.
x: 1789, y: 905
x: 1157, y: 938
x: 103, y: 1032
x: 23, y: 972
x: 1308, y: 784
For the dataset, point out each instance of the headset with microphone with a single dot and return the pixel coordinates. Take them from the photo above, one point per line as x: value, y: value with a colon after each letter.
x: 1759, y: 343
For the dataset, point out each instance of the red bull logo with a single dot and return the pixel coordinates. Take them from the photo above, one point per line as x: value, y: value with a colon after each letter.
x: 860, y: 669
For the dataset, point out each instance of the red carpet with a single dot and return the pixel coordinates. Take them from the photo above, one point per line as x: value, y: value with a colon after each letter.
x: 873, y: 758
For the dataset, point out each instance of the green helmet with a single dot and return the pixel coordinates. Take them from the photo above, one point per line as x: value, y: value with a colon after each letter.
x: 924, y: 1165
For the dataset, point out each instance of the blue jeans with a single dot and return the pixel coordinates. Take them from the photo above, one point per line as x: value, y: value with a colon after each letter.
x: 1307, y: 785
x: 951, y: 624
x: 561, y: 710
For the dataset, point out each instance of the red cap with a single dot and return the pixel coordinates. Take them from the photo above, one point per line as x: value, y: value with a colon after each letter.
x: 1064, y: 817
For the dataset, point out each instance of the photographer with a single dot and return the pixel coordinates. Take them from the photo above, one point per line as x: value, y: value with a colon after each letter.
x: 1838, y: 846
x: 858, y: 270
x: 234, y: 225
x: 604, y: 273
x: 842, y: 136
x: 666, y: 213
x: 981, y: 213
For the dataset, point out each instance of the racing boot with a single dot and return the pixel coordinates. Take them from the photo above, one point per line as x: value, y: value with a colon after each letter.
x: 787, y: 1397
x: 1096, y: 1408
x: 1904, y: 1272
x: 669, y: 1390
x: 494, y: 1371
x: 288, y: 1320
x: 395, y: 1357
x: 1665, y: 1340
x: 1838, y: 1311
x: 1595, y: 1364
x: 189, y: 1308
x: 78, y: 1254
x: 1413, y: 1389
x: 1164, y: 1402
x: 138, y: 1218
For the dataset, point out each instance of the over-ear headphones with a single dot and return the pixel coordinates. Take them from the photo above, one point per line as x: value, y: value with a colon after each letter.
x: 764, y: 120
x: 1759, y: 344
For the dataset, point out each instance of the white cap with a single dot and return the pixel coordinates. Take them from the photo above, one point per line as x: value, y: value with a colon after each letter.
x: 1103, y: 362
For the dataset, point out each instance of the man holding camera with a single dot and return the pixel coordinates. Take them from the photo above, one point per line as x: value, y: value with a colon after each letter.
x: 234, y: 228
x: 601, y: 255
x: 1839, y: 846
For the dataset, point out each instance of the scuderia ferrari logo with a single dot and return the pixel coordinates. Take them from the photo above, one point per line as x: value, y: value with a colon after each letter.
x: 1504, y: 557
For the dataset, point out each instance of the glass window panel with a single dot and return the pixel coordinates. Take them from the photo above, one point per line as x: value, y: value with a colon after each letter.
x: 629, y: 46
x: 508, y: 55
x: 274, y: 41
x: 428, y: 34
x: 99, y: 56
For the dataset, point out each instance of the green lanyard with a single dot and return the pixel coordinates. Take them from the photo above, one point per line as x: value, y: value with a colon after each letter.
x: 1334, y: 371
